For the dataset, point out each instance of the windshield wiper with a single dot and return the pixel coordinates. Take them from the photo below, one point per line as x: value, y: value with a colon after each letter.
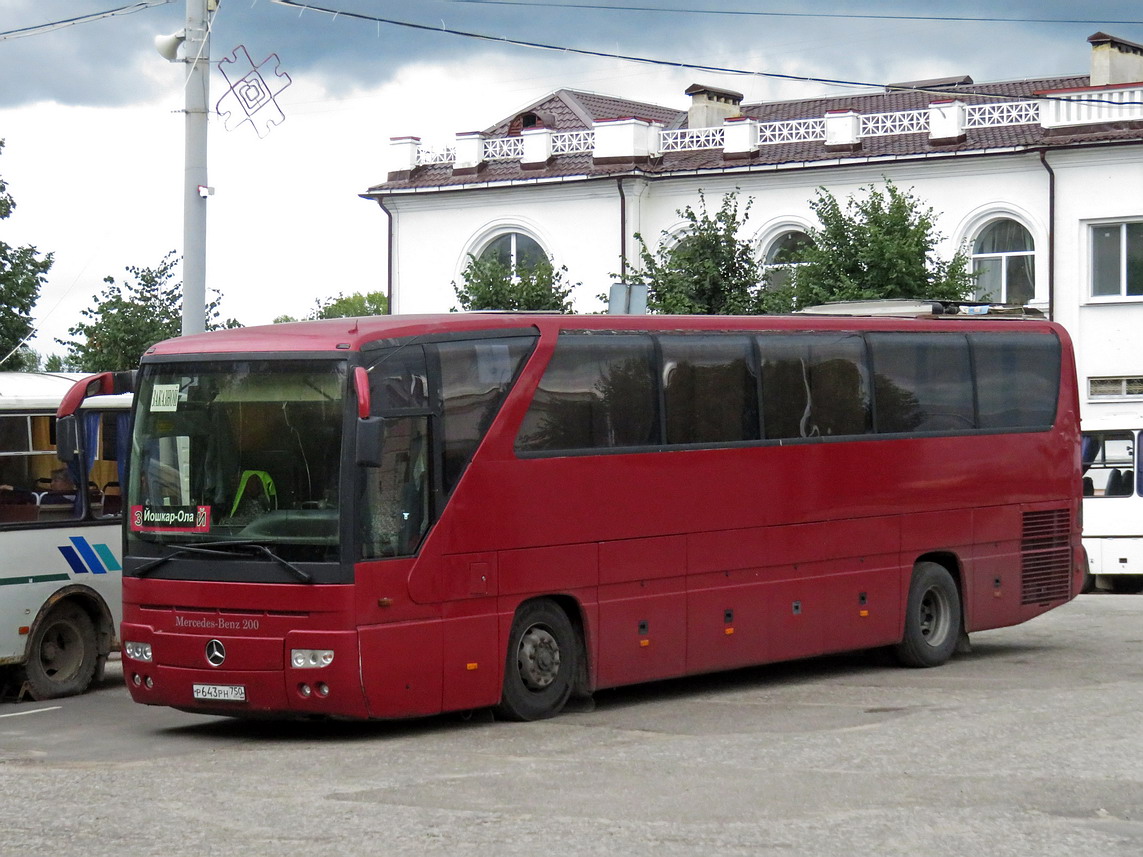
x: 215, y: 549
x: 303, y: 576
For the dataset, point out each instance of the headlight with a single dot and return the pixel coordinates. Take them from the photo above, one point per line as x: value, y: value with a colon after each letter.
x: 137, y: 651
x: 305, y: 659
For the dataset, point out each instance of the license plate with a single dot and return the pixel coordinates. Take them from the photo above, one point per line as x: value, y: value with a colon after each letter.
x: 225, y: 692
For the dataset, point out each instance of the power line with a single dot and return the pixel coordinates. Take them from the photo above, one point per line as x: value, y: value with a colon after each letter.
x: 772, y: 75
x: 770, y: 14
x: 82, y: 19
x: 337, y: 13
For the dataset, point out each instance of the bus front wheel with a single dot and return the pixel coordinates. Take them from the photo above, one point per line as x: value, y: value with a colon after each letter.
x: 932, y: 618
x: 542, y: 662
x: 62, y: 657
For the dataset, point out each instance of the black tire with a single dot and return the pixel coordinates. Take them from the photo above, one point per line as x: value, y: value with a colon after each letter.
x: 542, y: 663
x: 62, y: 654
x: 932, y: 618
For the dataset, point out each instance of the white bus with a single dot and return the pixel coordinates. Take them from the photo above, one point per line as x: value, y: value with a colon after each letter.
x: 1113, y: 502
x: 60, y: 537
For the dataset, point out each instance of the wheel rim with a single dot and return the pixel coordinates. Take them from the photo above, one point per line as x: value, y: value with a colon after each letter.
x: 538, y: 658
x: 61, y: 651
x: 935, y: 617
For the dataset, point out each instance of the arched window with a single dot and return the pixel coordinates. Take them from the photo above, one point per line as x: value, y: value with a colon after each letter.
x: 785, y: 253
x: 514, y: 250
x: 1004, y: 260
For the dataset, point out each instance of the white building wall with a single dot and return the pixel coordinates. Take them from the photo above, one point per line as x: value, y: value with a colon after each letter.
x: 1097, y: 186
x: 577, y: 224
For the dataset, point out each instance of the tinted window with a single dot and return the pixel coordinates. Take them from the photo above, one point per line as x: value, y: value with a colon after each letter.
x: 922, y: 382
x: 396, y: 509
x: 709, y: 388
x: 598, y: 392
x: 814, y: 385
x: 399, y: 380
x: 475, y: 377
x: 1017, y: 379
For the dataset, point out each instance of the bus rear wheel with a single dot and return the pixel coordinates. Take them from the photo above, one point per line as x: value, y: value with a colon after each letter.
x: 62, y: 657
x: 932, y: 618
x: 542, y: 662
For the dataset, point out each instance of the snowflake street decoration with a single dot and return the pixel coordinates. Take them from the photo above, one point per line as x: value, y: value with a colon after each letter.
x: 250, y: 97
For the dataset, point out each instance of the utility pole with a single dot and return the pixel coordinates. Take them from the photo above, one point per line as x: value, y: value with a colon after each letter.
x: 196, y: 189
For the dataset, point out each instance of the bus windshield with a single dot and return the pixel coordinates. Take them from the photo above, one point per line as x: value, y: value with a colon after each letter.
x: 239, y: 451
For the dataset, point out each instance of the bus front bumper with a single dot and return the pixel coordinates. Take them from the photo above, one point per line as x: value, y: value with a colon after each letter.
x: 305, y: 674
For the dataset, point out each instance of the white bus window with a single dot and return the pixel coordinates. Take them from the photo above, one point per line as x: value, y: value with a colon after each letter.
x: 1109, y: 464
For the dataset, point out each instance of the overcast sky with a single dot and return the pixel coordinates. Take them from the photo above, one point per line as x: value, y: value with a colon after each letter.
x: 94, y: 136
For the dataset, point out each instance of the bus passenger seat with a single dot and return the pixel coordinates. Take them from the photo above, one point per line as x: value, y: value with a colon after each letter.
x: 17, y: 497
x: 1088, y: 487
x: 1114, y: 487
x: 112, y: 499
x: 21, y: 512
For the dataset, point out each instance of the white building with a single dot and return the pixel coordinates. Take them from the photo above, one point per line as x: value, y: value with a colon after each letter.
x: 1042, y: 179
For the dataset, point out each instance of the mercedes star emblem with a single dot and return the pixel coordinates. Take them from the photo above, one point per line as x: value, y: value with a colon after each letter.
x: 215, y: 653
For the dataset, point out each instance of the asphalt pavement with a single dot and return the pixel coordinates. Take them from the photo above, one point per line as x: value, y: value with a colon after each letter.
x: 1030, y: 745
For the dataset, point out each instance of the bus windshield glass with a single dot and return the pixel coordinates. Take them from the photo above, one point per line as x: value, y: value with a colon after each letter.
x: 239, y: 451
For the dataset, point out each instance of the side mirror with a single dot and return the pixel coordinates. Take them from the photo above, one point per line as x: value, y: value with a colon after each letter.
x: 370, y: 434
x: 67, y: 439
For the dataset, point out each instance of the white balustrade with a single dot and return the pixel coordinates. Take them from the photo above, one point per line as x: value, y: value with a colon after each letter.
x: 900, y: 122
x: 997, y: 113
x: 427, y: 157
x: 503, y: 148
x: 791, y: 131
x: 691, y: 139
x: 573, y: 142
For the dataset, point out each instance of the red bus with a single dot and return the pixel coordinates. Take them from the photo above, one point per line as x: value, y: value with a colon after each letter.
x: 397, y: 516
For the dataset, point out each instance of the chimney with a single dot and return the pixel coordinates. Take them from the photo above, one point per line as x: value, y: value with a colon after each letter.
x: 1115, y: 61
x: 710, y: 106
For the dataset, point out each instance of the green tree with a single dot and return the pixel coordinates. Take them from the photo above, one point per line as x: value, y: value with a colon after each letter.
x: 880, y: 245
x: 489, y: 284
x: 345, y: 306
x: 708, y: 270
x: 55, y: 363
x: 22, y: 273
x: 130, y: 317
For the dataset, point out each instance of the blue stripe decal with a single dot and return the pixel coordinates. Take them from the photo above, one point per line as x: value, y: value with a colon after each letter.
x: 73, y: 559
x: 88, y: 555
x: 109, y: 560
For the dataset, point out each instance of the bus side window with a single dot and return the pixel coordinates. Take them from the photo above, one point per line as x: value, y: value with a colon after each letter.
x: 397, y: 511
x: 1109, y: 464
x: 1017, y: 380
x: 923, y: 382
x: 475, y: 376
x: 814, y: 385
x: 598, y: 392
x: 710, y: 389
x: 397, y: 505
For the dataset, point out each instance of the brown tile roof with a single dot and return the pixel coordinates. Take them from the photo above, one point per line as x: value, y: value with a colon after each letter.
x: 575, y: 111
x: 572, y: 110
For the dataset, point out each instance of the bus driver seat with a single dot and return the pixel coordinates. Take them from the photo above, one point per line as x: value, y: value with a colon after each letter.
x: 268, y: 493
